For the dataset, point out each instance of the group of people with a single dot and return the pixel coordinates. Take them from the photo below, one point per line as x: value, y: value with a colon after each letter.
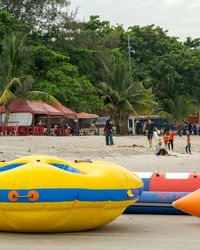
x: 188, y: 128
x: 168, y: 139
x: 150, y: 130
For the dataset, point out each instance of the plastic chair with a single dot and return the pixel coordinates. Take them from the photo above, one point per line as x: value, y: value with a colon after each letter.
x: 30, y: 131
x: 67, y: 131
x: 21, y: 130
x: 58, y: 131
x: 15, y: 130
x: 4, y: 130
x: 9, y: 130
x: 41, y: 130
x: 36, y: 130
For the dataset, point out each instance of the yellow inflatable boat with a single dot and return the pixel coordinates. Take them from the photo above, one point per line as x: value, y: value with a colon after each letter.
x: 46, y: 194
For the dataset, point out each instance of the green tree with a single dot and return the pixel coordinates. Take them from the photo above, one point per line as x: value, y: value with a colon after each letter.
x: 123, y: 96
x: 14, y: 80
x: 36, y: 13
x: 178, y: 109
x: 9, y: 24
x: 55, y: 75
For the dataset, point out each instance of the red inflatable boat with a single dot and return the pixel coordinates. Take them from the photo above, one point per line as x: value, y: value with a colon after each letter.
x: 162, y: 189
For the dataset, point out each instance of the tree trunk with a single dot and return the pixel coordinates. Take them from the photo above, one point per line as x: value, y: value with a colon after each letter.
x: 7, y: 114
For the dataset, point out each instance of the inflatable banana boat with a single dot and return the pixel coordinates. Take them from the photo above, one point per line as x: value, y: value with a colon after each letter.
x: 46, y: 194
x: 189, y: 204
x: 161, y: 190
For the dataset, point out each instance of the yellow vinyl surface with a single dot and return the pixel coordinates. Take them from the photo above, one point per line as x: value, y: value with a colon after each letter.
x: 46, y: 194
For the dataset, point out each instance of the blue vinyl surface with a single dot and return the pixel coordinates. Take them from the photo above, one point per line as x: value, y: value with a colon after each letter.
x: 11, y: 166
x: 161, y: 197
x: 72, y: 194
x: 153, y: 210
x: 66, y: 168
x: 146, y: 182
x: 61, y: 166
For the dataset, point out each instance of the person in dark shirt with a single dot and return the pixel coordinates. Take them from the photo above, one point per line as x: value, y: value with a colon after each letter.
x: 150, y: 128
x: 108, y: 133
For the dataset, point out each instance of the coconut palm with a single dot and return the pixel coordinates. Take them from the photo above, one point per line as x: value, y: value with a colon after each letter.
x: 15, y: 82
x: 122, y: 96
x: 178, y: 109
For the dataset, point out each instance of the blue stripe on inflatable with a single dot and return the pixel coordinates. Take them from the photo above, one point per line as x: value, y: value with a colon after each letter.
x: 11, y: 166
x: 161, y: 197
x: 146, y: 182
x: 152, y: 210
x: 72, y: 194
x: 61, y: 166
x: 66, y: 168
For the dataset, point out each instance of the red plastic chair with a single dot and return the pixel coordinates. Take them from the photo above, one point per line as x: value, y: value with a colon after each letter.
x: 41, y: 130
x: 30, y: 131
x: 58, y: 131
x: 9, y: 130
x: 4, y: 129
x: 15, y: 130
x: 36, y: 130
x: 21, y: 130
x: 67, y: 131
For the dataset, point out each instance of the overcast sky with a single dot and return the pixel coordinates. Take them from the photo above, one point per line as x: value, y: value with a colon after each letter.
x: 180, y: 17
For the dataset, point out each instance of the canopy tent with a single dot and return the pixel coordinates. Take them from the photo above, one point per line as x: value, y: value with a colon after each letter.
x: 65, y: 111
x: 84, y: 115
x: 36, y: 107
x: 22, y: 111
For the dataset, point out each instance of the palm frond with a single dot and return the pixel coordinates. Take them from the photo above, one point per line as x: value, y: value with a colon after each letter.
x: 41, y: 96
x: 15, y: 81
x: 7, y: 97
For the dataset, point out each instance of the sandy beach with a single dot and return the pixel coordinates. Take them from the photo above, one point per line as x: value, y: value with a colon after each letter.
x: 128, y: 231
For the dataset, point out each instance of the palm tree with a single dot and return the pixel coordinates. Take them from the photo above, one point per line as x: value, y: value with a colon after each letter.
x: 178, y: 109
x: 14, y: 79
x: 122, y: 96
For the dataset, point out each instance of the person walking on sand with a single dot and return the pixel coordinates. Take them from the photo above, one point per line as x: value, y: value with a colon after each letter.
x: 188, y: 147
x: 108, y: 133
x: 150, y: 128
x: 171, y: 139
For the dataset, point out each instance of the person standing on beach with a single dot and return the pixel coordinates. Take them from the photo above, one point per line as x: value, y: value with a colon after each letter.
x: 171, y: 139
x: 150, y: 127
x: 188, y: 147
x: 190, y: 128
x: 166, y: 139
x: 144, y: 128
x: 108, y: 133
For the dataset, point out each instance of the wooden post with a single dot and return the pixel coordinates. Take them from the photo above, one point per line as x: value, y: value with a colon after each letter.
x: 199, y: 115
x: 33, y: 121
x: 63, y: 125
x: 48, y: 123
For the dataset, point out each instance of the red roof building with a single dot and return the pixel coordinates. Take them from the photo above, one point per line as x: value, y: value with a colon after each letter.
x: 37, y: 108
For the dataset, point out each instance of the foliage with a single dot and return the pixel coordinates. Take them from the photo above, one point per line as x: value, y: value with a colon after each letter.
x: 14, y: 81
x: 56, y: 76
x: 36, y: 13
x: 178, y: 109
x: 123, y: 96
x: 68, y: 58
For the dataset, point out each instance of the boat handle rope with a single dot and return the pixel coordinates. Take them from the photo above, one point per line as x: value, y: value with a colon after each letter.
x: 79, y: 161
x: 22, y: 196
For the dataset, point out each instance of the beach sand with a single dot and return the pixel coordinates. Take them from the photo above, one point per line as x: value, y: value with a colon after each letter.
x: 128, y: 231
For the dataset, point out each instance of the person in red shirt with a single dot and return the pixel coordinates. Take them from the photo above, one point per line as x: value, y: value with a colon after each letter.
x: 171, y: 139
x: 166, y: 139
x: 188, y: 147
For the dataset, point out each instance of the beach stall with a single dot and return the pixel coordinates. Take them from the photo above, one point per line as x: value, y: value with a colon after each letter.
x: 30, y: 114
x: 84, y: 122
